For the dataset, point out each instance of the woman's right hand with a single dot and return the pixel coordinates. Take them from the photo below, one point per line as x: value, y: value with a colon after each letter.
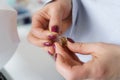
x: 105, y: 63
x: 49, y: 22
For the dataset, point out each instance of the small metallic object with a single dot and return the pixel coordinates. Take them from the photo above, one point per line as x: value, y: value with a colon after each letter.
x: 62, y: 40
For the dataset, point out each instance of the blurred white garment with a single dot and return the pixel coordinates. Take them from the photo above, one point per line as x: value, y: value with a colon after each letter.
x: 95, y: 21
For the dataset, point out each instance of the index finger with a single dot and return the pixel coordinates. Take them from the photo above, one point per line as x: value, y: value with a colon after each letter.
x: 39, y: 20
x: 40, y: 27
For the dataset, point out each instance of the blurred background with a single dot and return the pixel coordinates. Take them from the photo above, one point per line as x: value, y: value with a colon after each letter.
x: 29, y: 62
x: 25, y: 9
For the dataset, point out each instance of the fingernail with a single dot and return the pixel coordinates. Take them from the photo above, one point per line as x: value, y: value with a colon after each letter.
x: 55, y: 56
x: 47, y: 44
x: 55, y: 29
x: 50, y: 53
x: 52, y: 37
x: 69, y: 39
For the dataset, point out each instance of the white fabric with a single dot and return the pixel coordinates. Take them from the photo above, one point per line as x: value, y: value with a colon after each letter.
x: 8, y: 34
x: 95, y: 21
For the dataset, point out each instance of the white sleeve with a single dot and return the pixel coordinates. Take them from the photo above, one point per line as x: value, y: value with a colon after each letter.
x: 75, y: 7
x: 74, y: 11
x: 46, y: 2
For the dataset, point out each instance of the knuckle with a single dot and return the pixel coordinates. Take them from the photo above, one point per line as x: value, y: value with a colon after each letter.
x: 37, y: 14
x: 81, y: 45
x: 37, y: 32
x: 31, y: 40
x: 100, y: 45
x: 55, y: 8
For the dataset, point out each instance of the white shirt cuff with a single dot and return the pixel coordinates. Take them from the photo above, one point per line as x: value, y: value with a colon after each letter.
x: 46, y: 2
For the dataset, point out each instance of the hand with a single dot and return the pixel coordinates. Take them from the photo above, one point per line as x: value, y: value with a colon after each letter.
x: 53, y: 20
x: 105, y: 64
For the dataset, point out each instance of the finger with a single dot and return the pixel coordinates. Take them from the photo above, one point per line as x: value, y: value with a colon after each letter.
x: 61, y: 50
x: 43, y: 34
x: 39, y: 42
x: 39, y: 20
x: 50, y: 50
x: 66, y: 52
x: 66, y: 66
x: 83, y: 48
x: 55, y: 21
x: 37, y: 25
x: 40, y: 26
x: 62, y: 65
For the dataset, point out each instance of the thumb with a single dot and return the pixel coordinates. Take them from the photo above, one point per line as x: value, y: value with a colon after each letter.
x: 61, y: 63
x: 55, y: 22
x: 59, y: 49
x: 64, y: 65
x: 83, y: 48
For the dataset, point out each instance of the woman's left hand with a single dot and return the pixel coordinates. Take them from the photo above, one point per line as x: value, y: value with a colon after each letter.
x: 105, y: 64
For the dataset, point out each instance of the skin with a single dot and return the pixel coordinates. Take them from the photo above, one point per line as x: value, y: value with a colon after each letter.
x: 104, y: 65
x: 106, y: 57
x: 58, y: 13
